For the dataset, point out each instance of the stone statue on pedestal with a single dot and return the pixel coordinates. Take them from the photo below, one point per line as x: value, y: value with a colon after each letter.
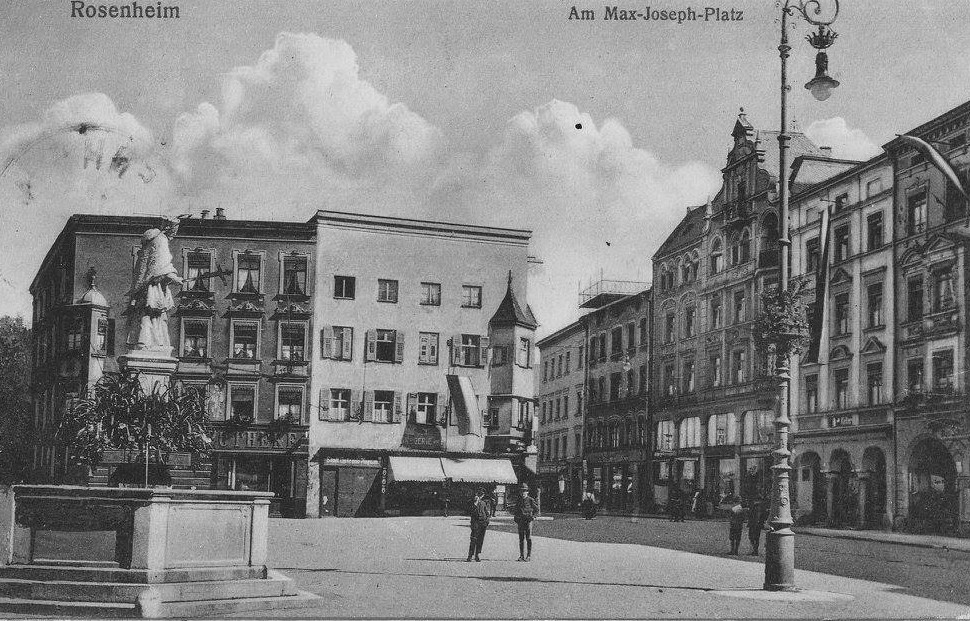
x: 150, y: 295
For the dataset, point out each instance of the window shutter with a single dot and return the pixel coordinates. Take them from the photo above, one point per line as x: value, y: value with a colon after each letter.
x: 323, y: 410
x: 396, y: 415
x: 368, y: 405
x: 398, y: 346
x: 348, y: 344
x: 370, y: 353
x: 483, y: 343
x: 413, y: 407
x: 441, y: 410
x: 355, y: 407
x: 326, y: 342
x: 456, y: 350
x: 424, y: 347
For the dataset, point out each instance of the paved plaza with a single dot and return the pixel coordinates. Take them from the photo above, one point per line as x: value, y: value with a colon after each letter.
x: 415, y: 567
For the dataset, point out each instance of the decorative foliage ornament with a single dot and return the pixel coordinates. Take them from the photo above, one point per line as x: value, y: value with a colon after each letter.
x: 782, y: 327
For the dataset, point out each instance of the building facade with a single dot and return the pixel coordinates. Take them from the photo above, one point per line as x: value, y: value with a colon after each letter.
x: 423, y: 384
x: 713, y: 403
x: 842, y: 400
x: 241, y: 330
x: 560, y: 397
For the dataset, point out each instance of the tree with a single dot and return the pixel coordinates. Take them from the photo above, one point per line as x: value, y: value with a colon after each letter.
x: 118, y: 414
x: 15, y: 397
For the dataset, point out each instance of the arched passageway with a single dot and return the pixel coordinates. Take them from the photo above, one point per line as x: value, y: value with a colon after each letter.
x: 932, y: 487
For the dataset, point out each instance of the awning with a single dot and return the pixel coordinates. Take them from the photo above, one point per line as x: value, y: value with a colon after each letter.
x: 479, y: 470
x: 416, y: 468
x: 466, y: 405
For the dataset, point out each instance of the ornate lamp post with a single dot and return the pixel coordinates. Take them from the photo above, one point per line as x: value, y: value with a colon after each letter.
x: 780, y: 540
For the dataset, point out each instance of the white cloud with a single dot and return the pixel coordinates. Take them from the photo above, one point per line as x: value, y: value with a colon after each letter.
x: 846, y: 142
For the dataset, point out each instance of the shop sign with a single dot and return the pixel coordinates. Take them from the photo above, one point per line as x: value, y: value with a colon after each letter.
x: 841, y: 420
x: 349, y: 461
x: 257, y: 440
x: 422, y: 437
x: 180, y: 460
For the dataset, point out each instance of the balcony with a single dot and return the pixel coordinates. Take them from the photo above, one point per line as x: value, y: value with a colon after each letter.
x: 605, y: 291
x: 943, y: 323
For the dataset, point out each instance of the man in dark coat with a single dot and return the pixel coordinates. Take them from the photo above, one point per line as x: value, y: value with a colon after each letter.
x: 480, y: 514
x: 738, y: 517
x: 757, y: 514
x: 526, y: 510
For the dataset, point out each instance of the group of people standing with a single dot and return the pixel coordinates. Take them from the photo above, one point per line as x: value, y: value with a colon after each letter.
x: 753, y: 513
x: 526, y: 510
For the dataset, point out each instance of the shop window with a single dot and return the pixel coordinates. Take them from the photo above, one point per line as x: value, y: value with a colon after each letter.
x: 431, y: 294
x: 914, y: 298
x: 428, y: 348
x: 690, y: 432
x: 294, y: 275
x: 344, y: 287
x: 874, y: 299
x: 248, y: 272
x: 289, y: 403
x: 340, y: 404
x: 943, y: 370
x: 195, y: 338
x: 471, y: 296
x: 292, y: 341
x: 759, y: 427
x: 387, y: 290
x: 721, y: 430
x: 874, y: 230
x: 198, y: 263
x: 242, y: 402
x: 245, y: 339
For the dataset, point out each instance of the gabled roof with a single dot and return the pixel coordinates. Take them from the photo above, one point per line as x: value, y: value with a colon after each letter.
x: 799, y: 144
x: 511, y: 313
x: 691, y: 228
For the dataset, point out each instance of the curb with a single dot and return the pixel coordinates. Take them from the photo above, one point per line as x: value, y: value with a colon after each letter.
x: 851, y: 535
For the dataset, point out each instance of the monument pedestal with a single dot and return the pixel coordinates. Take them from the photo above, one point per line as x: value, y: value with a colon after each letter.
x: 155, y: 368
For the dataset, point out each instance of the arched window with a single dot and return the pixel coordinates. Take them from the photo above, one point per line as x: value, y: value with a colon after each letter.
x: 629, y: 439
x: 741, y: 248
x: 717, y: 257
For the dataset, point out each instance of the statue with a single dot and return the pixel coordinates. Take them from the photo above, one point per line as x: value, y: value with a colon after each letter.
x: 150, y: 295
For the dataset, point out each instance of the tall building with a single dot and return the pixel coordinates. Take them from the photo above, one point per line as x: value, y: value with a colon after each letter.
x: 713, y: 405
x: 241, y: 329
x: 843, y: 440
x: 423, y: 383
x: 560, y: 398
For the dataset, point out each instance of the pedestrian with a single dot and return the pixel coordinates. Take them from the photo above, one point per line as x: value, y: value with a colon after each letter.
x: 757, y: 514
x: 525, y: 511
x: 480, y: 514
x: 589, y: 506
x: 737, y: 518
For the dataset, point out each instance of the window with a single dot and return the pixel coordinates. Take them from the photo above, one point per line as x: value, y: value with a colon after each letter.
x: 643, y: 379
x: 385, y: 344
x: 567, y: 363
x: 717, y: 257
x: 873, y: 187
x: 616, y: 343
x: 245, y: 339
x: 631, y: 383
x: 874, y: 298
x: 524, y: 355
x: 812, y: 255
x: 664, y: 440
x: 602, y: 388
x: 565, y: 406
x: 615, y: 386
x: 542, y: 413
x: 383, y: 406
x: 387, y: 290
x: 914, y: 374
x: 337, y: 342
x: 690, y: 313
x: 643, y: 331
x: 289, y: 403
x: 942, y: 289
x: 292, y: 341
x: 741, y: 251
x: 76, y: 333
x: 716, y: 372
x: 740, y: 363
x: 841, y: 201
x: 690, y: 432
x: 471, y: 296
x: 914, y: 298
x: 916, y: 212
x: 670, y: 380
x: 344, y: 287
x: 842, y: 314
x: 739, y: 299
x: 469, y: 350
x: 874, y: 230
x: 248, y: 273
x: 197, y: 263
x: 294, y: 275
x: 428, y: 349
x: 759, y: 427
x: 558, y: 366
x: 195, y: 338
x: 842, y: 243
x: 242, y: 402
x: 340, y: 405
x: 841, y: 380
x: 425, y: 408
x: 545, y: 370
x: 688, y: 378
x: 631, y: 337
x: 492, y: 420
x: 721, y: 430
x: 874, y: 382
x: 431, y: 294
x: 811, y: 393
x: 525, y: 417
x: 943, y: 370
x: 579, y: 358
x: 717, y: 313
x: 602, y: 347
x: 669, y: 327
x: 558, y: 409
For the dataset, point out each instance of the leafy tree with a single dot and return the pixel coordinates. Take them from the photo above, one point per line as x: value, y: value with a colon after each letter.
x: 15, y: 397
x: 118, y: 414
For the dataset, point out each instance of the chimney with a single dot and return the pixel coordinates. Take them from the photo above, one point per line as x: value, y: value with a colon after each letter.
x: 205, y: 214
x: 220, y: 214
x: 826, y: 151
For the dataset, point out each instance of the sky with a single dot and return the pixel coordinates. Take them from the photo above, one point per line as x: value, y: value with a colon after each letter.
x: 596, y: 135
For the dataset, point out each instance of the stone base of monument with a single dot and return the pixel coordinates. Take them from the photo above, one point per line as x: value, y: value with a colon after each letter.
x: 151, y: 553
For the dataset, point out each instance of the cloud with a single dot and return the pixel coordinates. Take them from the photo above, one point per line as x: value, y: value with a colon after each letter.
x: 846, y: 143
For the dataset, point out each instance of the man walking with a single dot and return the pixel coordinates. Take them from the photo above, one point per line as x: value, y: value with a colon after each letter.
x: 480, y: 514
x: 757, y: 515
x: 525, y: 511
x: 736, y: 525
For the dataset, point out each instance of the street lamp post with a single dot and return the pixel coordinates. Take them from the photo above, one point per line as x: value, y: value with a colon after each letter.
x: 780, y: 540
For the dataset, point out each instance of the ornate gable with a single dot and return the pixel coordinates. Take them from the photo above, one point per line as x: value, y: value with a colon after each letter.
x: 873, y: 346
x: 839, y: 276
x: 840, y: 353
